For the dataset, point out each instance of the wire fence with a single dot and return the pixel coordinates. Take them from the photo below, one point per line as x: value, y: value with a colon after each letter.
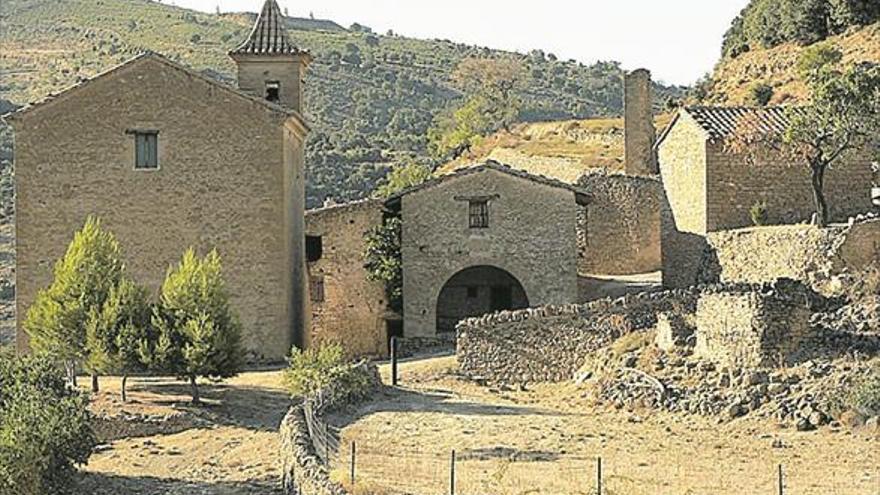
x: 500, y: 471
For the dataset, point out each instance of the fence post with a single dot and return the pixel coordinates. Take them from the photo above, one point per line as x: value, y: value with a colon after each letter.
x: 599, y: 476
x: 393, y: 361
x: 353, y: 461
x: 452, y: 474
x: 781, y: 482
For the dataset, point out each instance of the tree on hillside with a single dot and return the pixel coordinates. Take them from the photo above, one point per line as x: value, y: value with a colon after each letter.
x: 493, y: 85
x: 842, y: 117
x: 119, y: 336
x: 198, y: 333
x: 82, y: 281
x: 402, y: 177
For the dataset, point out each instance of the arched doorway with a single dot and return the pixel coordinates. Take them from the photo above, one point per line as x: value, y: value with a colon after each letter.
x: 475, y: 291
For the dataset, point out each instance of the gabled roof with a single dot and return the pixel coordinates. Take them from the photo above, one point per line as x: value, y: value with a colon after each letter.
x: 581, y: 196
x: 720, y: 123
x: 153, y: 56
x: 269, y: 35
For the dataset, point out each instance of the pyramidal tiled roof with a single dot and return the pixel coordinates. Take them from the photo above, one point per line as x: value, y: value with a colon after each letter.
x: 724, y: 122
x: 269, y: 36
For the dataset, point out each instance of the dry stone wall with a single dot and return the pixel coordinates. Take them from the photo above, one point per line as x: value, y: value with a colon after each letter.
x: 549, y: 344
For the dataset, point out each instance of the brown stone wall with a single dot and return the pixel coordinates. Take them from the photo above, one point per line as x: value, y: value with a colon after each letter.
x: 619, y: 231
x: 734, y: 185
x: 288, y: 70
x: 531, y: 235
x: 746, y: 329
x: 353, y: 308
x: 219, y: 185
x: 682, y: 157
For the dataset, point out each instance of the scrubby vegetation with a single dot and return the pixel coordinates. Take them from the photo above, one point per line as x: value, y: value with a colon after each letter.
x: 314, y: 369
x: 768, y: 23
x: 370, y: 98
x: 382, y: 260
x: 44, y: 428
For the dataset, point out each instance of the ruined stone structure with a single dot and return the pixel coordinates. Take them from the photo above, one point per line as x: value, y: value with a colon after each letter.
x: 751, y: 328
x: 638, y: 131
x: 712, y: 188
x: 619, y: 230
x: 820, y: 257
x: 346, y: 308
x: 483, y: 239
x: 169, y: 159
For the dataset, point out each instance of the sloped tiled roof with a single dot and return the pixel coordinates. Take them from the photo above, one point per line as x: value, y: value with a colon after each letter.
x: 269, y: 35
x: 581, y: 196
x: 721, y: 123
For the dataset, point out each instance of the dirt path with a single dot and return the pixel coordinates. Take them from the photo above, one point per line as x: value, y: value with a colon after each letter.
x: 547, y: 440
x: 231, y: 450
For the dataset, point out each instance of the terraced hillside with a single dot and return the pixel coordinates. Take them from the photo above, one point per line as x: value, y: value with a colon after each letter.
x: 370, y: 97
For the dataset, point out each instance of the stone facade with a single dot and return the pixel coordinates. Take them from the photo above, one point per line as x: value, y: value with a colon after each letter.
x: 751, y: 328
x: 346, y: 308
x: 711, y: 188
x: 230, y: 177
x: 639, y: 132
x: 530, y: 236
x: 619, y: 230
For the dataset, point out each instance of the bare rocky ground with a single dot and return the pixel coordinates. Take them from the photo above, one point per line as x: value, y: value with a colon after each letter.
x: 545, y: 439
x: 163, y: 445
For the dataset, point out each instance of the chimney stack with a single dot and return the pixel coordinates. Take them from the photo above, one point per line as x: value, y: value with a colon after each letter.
x: 638, y: 130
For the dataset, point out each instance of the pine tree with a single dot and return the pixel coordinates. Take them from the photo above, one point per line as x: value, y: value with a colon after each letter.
x: 57, y: 320
x: 119, y: 336
x: 198, y: 334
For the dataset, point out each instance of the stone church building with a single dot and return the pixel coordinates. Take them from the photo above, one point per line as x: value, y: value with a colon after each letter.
x: 167, y: 159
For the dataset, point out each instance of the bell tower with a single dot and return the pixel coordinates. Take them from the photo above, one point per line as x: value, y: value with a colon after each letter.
x: 269, y: 66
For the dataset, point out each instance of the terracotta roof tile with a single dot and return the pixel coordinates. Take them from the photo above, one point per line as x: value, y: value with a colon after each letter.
x: 723, y: 122
x: 269, y: 35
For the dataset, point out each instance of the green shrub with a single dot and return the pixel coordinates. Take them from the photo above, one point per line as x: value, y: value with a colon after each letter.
x: 44, y: 428
x: 758, y: 212
x: 760, y: 94
x: 382, y: 260
x: 865, y: 397
x: 315, y: 369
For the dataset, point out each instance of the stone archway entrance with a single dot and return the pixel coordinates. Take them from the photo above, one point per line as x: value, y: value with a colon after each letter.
x: 475, y: 291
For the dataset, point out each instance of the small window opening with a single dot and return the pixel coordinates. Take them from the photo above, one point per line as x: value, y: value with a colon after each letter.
x: 316, y: 289
x: 314, y: 248
x: 146, y: 149
x: 273, y: 91
x: 472, y: 292
x: 478, y: 214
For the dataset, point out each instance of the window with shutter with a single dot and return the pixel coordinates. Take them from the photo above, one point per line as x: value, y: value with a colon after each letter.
x: 146, y: 150
x: 478, y: 214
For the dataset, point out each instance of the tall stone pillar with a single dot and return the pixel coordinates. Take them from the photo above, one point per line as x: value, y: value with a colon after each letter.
x: 638, y: 130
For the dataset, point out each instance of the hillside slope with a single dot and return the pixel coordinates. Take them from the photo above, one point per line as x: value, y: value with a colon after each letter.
x: 733, y: 76
x: 371, y: 98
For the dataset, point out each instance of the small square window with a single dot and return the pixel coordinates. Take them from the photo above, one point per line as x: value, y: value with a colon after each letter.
x: 314, y: 248
x: 478, y: 214
x: 273, y: 91
x: 146, y: 150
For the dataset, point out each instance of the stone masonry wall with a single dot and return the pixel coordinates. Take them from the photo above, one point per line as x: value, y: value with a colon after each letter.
x: 531, y: 235
x: 682, y: 160
x: 734, y: 186
x: 817, y: 257
x: 346, y: 308
x: 752, y: 328
x: 619, y: 231
x: 549, y: 344
x: 223, y: 163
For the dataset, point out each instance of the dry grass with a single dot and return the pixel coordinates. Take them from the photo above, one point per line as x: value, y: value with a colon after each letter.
x: 547, y: 439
